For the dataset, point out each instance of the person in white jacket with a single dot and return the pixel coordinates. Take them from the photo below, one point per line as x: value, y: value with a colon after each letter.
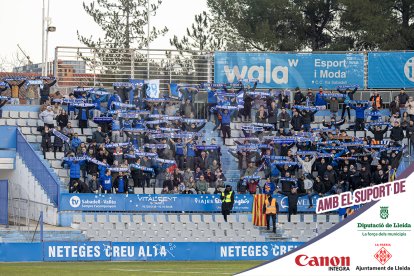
x: 306, y: 163
x: 47, y: 116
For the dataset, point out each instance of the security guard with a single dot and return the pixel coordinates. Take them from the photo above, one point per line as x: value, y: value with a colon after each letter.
x: 270, y: 208
x: 227, y: 201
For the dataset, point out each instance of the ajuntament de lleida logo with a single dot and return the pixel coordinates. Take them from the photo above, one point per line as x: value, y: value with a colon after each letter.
x: 384, y: 212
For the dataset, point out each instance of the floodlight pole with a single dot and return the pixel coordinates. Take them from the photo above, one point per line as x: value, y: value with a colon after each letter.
x: 148, y: 37
x: 43, y: 38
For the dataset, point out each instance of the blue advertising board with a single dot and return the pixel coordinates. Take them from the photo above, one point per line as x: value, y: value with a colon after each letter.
x: 164, y: 251
x: 170, y: 203
x: 390, y: 70
x: 277, y: 70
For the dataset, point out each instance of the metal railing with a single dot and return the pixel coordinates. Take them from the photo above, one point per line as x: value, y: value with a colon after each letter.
x: 47, y: 180
x: 82, y: 66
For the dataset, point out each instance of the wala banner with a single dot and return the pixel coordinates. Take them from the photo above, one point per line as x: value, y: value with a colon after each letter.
x: 377, y: 239
x: 275, y: 70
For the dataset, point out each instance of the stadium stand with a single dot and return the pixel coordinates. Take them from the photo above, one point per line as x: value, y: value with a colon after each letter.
x: 239, y: 154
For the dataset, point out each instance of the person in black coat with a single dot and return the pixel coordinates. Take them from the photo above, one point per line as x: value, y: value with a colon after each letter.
x: 79, y: 187
x: 62, y: 119
x: 293, y: 197
x: 45, y: 90
x: 296, y: 121
x: 378, y: 132
x: 57, y: 143
x: 46, y: 140
x: 397, y: 133
x: 298, y: 98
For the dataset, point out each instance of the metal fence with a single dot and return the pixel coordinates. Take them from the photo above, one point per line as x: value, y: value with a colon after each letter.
x: 81, y: 66
x: 39, y: 170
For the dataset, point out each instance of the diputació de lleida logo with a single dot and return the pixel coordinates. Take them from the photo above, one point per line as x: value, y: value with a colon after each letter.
x: 384, y: 212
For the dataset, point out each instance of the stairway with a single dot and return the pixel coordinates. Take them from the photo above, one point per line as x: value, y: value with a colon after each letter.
x: 228, y: 162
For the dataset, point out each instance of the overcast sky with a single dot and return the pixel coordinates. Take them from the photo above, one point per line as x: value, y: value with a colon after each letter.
x: 21, y: 22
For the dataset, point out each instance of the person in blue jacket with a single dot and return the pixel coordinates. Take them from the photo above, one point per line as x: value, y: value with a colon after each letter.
x: 359, y: 116
x: 320, y: 98
x: 74, y: 170
x: 75, y: 142
x: 113, y: 98
x: 105, y: 182
x: 225, y: 124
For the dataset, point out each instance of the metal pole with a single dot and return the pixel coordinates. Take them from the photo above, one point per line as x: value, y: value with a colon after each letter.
x: 43, y: 38
x: 148, y: 36
x: 47, y: 40
x: 55, y: 64
x: 41, y: 226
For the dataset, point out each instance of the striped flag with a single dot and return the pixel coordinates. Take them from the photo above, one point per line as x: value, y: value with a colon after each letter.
x: 259, y: 218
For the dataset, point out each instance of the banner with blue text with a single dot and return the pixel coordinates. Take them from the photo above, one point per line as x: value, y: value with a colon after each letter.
x: 276, y: 70
x: 390, y: 70
x: 167, y: 203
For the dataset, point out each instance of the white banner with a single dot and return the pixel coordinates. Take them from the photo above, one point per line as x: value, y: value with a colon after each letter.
x: 378, y: 240
x: 153, y: 88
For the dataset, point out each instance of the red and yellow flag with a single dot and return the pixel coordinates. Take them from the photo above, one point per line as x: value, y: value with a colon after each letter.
x: 259, y: 218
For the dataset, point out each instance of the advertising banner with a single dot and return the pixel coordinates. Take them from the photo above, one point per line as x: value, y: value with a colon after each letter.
x: 391, y: 70
x: 277, y: 70
x: 378, y: 239
x: 170, y: 203
x: 164, y: 251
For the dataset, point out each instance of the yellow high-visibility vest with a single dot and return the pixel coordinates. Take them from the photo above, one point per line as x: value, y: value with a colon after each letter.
x: 227, y: 198
x: 270, y: 207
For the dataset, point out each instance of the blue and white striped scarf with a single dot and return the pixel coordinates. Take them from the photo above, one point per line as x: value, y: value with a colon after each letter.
x: 64, y: 138
x: 142, y: 168
x: 114, y: 145
x: 155, y: 146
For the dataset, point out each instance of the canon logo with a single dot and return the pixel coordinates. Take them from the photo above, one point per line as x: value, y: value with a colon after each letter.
x: 304, y: 260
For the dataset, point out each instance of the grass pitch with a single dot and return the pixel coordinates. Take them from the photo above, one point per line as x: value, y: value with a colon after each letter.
x: 127, y: 268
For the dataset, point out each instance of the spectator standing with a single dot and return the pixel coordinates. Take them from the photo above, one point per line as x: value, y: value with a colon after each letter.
x: 270, y: 208
x: 227, y: 202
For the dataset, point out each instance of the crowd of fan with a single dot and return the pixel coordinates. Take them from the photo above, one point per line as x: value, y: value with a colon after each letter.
x: 161, y: 140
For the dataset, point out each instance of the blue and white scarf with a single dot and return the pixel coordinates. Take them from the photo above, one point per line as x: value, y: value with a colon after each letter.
x: 155, y: 146
x: 114, y: 169
x: 168, y: 129
x: 307, y: 152
x: 102, y: 120
x: 148, y: 154
x: 82, y: 158
x: 123, y: 105
x: 64, y: 138
x: 82, y: 105
x: 96, y: 161
x: 159, y: 135
x: 164, y: 161
x: 193, y: 121
x: 4, y: 98
x: 155, y: 122
x: 275, y: 157
x: 263, y: 125
x: 142, y: 168
x: 338, y: 96
x: 83, y: 89
x: 122, y: 84
x: 99, y: 92
x: 209, y: 147
x: 133, y: 130
x: 114, y: 145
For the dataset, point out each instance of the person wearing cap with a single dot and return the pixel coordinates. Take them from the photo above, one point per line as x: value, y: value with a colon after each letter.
x: 270, y: 208
x: 227, y: 201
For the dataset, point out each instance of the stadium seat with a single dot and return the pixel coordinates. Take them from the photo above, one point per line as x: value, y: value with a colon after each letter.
x: 113, y: 218
x: 11, y: 122
x: 321, y: 218
x: 89, y: 218
x: 185, y: 218
x: 219, y: 218
x: 50, y: 155
x: 308, y: 218
x: 31, y: 122
x: 26, y: 130
x: 333, y: 219
x: 77, y: 218
x: 196, y: 218
x: 149, y: 219
x: 282, y: 218
x: 295, y: 218
x: 2, y: 122
x: 172, y: 219
x: 125, y: 218
x: 137, y: 218
x: 21, y: 122
x: 33, y: 115
x: 24, y: 114
x: 14, y: 114
x: 6, y: 114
